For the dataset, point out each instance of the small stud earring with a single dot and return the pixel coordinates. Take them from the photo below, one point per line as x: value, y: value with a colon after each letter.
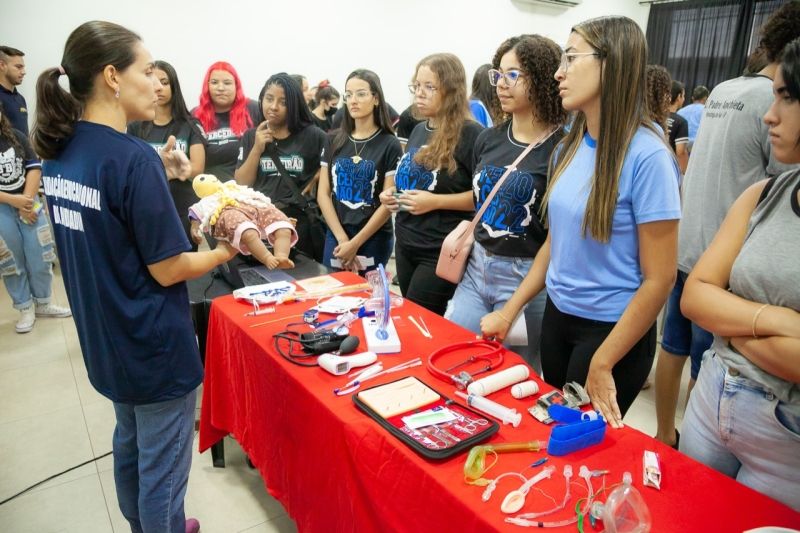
x: 116, y: 94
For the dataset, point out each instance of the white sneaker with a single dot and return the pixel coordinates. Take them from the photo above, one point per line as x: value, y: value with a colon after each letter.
x: 52, y: 311
x: 26, y: 320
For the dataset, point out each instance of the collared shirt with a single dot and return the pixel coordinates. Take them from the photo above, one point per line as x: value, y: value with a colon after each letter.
x: 15, y: 108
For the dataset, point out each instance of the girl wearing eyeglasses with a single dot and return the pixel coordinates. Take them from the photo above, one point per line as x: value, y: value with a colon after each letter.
x: 431, y: 192
x: 354, y: 167
x: 612, y: 208
x: 510, y: 231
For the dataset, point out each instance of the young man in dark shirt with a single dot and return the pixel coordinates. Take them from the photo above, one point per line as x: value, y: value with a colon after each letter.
x: 12, y: 72
x: 678, y: 127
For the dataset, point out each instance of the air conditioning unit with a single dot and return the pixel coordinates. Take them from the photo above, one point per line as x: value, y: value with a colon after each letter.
x: 560, y: 3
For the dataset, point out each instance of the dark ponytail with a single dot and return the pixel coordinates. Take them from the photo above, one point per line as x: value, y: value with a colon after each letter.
x: 89, y: 49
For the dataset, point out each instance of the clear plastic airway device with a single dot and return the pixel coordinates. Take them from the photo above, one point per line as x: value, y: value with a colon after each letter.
x: 342, y: 364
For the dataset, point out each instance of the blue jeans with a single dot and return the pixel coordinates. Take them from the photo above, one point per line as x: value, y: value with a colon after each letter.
x: 736, y: 427
x: 681, y: 335
x: 378, y: 247
x: 152, y: 456
x: 26, y: 257
x: 487, y: 285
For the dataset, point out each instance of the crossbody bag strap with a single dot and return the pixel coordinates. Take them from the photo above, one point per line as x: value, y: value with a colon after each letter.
x: 512, y: 167
x: 273, y: 154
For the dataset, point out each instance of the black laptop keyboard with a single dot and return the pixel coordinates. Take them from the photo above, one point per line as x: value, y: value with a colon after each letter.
x: 251, y: 277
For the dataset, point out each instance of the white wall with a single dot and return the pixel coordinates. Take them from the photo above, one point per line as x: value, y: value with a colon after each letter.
x: 321, y: 39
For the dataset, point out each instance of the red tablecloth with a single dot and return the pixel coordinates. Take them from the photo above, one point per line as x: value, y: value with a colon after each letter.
x: 335, y: 469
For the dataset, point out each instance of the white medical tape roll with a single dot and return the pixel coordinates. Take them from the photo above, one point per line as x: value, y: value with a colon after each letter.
x: 524, y: 389
x: 499, y: 380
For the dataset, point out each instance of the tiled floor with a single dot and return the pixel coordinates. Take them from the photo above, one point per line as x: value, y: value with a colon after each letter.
x: 51, y: 419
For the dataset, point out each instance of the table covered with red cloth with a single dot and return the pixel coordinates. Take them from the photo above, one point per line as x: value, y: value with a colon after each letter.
x: 335, y: 469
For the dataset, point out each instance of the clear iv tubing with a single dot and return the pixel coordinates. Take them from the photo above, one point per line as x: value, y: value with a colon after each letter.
x: 524, y: 519
x: 506, y: 415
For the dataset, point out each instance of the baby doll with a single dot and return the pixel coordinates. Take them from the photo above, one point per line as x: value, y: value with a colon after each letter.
x: 243, y: 217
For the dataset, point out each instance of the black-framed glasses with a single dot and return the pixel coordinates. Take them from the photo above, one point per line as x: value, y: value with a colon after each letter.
x: 511, y: 77
x: 427, y: 88
x: 568, y: 58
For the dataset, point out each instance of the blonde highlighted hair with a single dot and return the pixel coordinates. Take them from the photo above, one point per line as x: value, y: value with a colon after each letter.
x: 449, y: 70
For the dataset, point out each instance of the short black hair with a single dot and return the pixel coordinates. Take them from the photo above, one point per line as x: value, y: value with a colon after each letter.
x: 780, y: 29
x: 7, y: 51
x: 676, y: 90
x: 790, y: 68
x: 700, y: 92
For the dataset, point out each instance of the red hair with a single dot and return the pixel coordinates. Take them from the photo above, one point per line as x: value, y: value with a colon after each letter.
x: 240, y: 118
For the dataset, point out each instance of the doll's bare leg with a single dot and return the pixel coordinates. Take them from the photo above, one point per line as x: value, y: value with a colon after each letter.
x: 281, y: 245
x: 252, y: 240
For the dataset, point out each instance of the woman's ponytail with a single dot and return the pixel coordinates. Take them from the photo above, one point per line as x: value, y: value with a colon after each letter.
x: 57, y: 111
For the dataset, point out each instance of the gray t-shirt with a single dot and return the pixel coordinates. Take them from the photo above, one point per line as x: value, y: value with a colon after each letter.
x: 732, y: 152
x: 767, y: 270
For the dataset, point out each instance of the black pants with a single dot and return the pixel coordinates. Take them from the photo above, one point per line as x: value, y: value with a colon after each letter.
x: 310, y: 234
x: 568, y: 343
x: 416, y: 273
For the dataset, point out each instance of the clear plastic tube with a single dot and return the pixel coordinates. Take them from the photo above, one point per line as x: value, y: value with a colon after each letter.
x: 501, y: 412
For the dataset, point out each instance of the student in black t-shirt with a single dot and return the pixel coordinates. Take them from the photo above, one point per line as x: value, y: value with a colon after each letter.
x: 288, y: 134
x: 433, y: 181
x: 28, y: 251
x: 510, y: 231
x: 406, y: 123
x: 355, y: 163
x: 325, y: 105
x: 173, y: 120
x: 678, y: 127
x: 224, y: 114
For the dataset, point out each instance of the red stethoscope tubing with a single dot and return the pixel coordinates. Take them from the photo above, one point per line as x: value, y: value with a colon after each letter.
x: 494, y: 349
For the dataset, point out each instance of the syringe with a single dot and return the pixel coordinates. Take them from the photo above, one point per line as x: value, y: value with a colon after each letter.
x: 485, y: 405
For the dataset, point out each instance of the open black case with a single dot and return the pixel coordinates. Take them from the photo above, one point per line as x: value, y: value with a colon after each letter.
x: 389, y: 403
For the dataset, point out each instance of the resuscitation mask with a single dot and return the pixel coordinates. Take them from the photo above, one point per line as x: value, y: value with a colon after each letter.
x: 625, y: 511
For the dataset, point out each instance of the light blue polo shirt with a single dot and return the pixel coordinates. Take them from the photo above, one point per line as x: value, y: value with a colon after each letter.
x: 595, y: 280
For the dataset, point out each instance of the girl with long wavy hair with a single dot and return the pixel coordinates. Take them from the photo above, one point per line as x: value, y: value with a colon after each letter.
x: 173, y: 119
x: 356, y: 162
x: 612, y: 208
x: 510, y: 233
x: 432, y: 189
x: 224, y: 113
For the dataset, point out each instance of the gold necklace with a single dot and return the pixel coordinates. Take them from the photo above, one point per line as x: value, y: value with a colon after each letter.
x: 357, y: 158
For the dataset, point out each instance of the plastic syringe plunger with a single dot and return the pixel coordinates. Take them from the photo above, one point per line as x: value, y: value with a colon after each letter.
x: 485, y: 405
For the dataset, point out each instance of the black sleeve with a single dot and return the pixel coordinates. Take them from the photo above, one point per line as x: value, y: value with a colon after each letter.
x: 324, y: 155
x: 477, y: 150
x: 195, y: 135
x: 465, y: 152
x: 135, y: 129
x: 338, y: 117
x: 683, y: 129
x: 245, y: 145
x: 392, y: 155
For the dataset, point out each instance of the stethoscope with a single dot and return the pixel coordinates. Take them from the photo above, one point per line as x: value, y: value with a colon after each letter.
x: 491, y: 358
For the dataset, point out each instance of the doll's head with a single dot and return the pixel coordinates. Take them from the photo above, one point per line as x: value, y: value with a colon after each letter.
x: 206, y: 185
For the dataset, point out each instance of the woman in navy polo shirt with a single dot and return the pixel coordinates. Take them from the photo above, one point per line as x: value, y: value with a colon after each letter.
x: 124, y: 257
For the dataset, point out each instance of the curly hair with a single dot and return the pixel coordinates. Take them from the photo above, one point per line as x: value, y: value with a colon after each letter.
x: 7, y: 133
x: 781, y: 28
x: 539, y: 58
x: 438, y: 153
x: 659, y: 89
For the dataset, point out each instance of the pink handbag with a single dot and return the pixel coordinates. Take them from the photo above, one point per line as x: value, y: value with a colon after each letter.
x: 457, y: 246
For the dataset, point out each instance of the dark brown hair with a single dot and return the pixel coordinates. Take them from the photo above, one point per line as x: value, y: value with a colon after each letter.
x: 539, y: 58
x: 7, y: 133
x: 89, y: 49
x: 779, y: 30
x: 659, y: 88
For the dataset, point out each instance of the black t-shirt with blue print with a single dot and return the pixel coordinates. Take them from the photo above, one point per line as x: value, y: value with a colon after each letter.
x: 355, y: 187
x: 299, y: 154
x: 14, y: 166
x: 510, y: 226
x: 427, y: 231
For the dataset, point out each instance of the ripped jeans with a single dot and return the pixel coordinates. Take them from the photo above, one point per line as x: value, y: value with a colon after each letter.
x: 26, y: 257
